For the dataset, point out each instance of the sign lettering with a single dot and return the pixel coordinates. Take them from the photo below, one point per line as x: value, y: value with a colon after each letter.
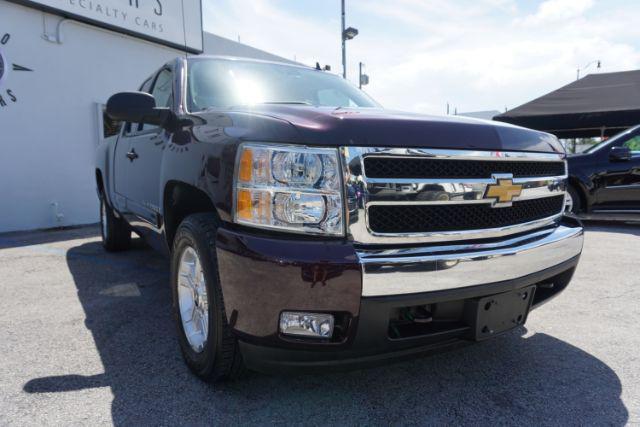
x: 161, y: 21
x: 7, y: 95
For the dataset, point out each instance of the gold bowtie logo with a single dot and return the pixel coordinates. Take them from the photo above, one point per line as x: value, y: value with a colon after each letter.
x: 504, y: 191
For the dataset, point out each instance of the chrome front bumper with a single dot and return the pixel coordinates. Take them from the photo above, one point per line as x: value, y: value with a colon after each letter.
x: 436, y: 268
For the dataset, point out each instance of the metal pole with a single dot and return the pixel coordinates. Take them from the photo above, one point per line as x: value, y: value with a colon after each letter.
x: 360, y: 75
x: 578, y: 71
x: 344, y: 46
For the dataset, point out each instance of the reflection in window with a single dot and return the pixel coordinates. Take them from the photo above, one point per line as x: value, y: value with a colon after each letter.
x: 110, y: 127
x: 633, y: 144
x: 220, y: 83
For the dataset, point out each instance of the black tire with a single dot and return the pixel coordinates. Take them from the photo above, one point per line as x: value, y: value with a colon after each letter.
x: 116, y: 234
x: 220, y: 358
x: 577, y: 205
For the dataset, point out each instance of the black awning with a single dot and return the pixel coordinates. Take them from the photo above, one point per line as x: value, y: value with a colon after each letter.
x: 609, y: 101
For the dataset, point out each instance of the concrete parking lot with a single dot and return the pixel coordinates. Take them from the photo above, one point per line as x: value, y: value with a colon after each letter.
x: 87, y: 337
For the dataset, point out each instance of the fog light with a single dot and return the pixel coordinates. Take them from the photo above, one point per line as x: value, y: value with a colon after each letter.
x: 316, y: 325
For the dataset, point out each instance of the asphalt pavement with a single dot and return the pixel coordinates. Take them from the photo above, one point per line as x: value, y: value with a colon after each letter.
x: 87, y: 338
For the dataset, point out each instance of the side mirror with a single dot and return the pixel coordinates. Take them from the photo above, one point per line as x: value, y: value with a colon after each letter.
x: 137, y: 107
x: 620, y: 154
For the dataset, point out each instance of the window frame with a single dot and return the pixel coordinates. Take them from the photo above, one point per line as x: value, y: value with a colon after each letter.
x: 141, y: 129
x: 126, y: 129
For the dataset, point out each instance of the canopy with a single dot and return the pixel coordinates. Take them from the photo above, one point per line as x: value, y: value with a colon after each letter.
x: 596, y: 105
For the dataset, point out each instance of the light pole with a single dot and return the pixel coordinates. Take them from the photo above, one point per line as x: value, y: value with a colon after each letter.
x: 363, y: 79
x: 346, y: 34
x: 597, y: 61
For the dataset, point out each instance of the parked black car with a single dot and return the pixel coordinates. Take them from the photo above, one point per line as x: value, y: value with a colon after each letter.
x: 605, y: 179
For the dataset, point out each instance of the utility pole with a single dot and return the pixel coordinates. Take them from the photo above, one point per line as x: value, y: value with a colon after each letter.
x: 598, y: 66
x: 344, y: 45
x: 363, y: 79
x: 346, y: 34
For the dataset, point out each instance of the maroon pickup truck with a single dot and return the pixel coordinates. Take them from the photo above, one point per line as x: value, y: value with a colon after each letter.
x: 309, y: 229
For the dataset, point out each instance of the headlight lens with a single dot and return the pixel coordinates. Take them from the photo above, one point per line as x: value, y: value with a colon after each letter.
x: 292, y: 188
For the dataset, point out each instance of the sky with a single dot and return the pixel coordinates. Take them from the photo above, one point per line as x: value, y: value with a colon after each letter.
x: 422, y: 54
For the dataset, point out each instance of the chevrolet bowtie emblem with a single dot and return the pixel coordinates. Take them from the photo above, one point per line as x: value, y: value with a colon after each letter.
x: 503, y: 192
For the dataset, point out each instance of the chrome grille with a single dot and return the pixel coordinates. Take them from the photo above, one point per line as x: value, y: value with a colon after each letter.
x: 420, y: 195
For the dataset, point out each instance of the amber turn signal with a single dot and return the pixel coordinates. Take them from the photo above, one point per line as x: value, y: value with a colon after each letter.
x: 246, y: 165
x: 244, y: 204
x: 254, y: 206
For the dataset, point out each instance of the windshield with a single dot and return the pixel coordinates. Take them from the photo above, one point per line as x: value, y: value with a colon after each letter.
x: 612, y: 140
x: 225, y: 83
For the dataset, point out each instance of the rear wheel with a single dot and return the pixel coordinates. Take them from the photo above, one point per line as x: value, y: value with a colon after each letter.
x: 208, y: 346
x: 116, y: 234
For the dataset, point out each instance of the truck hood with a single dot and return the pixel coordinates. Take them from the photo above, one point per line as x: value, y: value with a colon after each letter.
x: 386, y: 128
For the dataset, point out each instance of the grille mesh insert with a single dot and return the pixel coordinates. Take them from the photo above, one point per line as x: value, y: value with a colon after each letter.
x: 394, y: 167
x: 433, y: 218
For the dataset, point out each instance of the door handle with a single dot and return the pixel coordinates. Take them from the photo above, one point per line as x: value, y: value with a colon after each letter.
x: 132, y: 155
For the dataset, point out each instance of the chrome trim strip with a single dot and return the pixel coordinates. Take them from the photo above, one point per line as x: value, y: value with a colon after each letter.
x: 362, y: 192
x: 626, y: 216
x: 438, y: 269
x: 617, y: 211
x: 459, y: 192
x: 366, y: 253
x: 622, y: 187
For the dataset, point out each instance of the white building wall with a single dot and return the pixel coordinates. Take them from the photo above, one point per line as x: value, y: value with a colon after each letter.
x: 49, y: 135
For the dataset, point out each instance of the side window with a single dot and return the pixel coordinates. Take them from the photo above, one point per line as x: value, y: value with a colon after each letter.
x: 135, y: 127
x: 633, y: 144
x: 163, y: 92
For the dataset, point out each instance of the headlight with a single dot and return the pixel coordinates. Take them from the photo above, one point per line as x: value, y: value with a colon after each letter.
x: 291, y: 188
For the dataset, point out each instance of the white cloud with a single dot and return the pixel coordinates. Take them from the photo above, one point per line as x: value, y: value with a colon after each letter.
x: 554, y: 11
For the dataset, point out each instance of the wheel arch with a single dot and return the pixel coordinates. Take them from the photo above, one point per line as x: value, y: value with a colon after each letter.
x: 99, y: 182
x: 179, y: 201
x: 576, y: 184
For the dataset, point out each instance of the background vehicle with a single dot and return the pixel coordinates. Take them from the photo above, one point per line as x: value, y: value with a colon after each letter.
x: 278, y: 193
x: 605, y: 179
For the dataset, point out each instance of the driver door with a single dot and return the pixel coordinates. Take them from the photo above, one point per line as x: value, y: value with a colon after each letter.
x: 122, y: 162
x: 146, y: 160
x: 620, y: 181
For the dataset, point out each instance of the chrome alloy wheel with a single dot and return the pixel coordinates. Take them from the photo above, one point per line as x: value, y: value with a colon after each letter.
x: 192, y: 299
x: 568, y: 202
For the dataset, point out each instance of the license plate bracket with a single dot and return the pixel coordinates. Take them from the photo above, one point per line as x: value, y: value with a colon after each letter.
x: 495, y: 314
